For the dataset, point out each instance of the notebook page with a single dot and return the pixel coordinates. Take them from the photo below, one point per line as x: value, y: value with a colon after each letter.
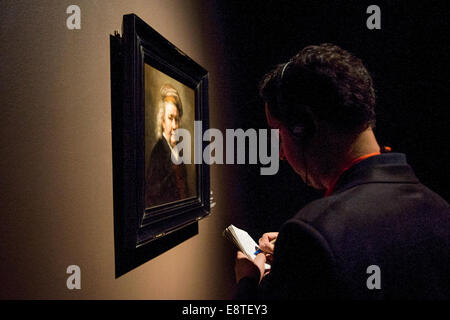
x: 247, y: 244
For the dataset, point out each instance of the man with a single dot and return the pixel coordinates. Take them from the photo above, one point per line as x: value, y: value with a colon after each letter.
x: 166, y: 181
x: 378, y: 233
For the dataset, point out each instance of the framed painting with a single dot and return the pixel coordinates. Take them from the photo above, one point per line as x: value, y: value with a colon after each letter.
x: 156, y: 91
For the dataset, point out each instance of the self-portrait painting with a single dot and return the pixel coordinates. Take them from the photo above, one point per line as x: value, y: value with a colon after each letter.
x: 169, y: 105
x: 156, y: 91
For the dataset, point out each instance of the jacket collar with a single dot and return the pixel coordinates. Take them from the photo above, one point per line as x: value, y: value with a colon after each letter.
x: 383, y: 168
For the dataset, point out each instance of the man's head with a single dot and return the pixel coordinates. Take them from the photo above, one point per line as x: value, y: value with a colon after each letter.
x: 171, y: 111
x: 321, y: 100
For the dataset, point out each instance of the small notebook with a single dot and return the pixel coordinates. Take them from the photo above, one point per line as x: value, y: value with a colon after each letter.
x: 242, y: 241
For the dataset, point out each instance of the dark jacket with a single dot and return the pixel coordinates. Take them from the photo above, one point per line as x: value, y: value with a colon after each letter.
x: 379, y: 214
x: 165, y: 181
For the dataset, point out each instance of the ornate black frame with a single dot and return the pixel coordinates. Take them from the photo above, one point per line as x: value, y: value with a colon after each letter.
x: 140, y: 233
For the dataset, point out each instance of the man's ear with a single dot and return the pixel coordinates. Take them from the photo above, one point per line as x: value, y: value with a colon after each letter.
x: 295, y: 133
x: 298, y: 130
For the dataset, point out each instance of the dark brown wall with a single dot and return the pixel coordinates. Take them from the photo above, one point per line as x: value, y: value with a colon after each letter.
x: 56, y: 162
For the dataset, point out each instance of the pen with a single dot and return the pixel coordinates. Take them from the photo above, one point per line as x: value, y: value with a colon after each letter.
x: 259, y: 250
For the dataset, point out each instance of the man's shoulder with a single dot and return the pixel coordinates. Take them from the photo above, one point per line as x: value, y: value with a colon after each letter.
x: 375, y: 208
x: 160, y: 151
x: 370, y: 214
x: 161, y: 146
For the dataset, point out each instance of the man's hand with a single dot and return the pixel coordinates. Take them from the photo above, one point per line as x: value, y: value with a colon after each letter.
x: 265, y: 242
x: 245, y: 267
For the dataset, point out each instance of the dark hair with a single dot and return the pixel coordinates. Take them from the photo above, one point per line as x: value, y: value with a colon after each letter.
x: 330, y: 82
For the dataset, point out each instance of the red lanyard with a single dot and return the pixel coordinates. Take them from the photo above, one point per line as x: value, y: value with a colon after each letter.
x: 351, y: 164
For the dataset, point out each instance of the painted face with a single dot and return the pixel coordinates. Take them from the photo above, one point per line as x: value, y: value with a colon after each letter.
x: 170, y: 122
